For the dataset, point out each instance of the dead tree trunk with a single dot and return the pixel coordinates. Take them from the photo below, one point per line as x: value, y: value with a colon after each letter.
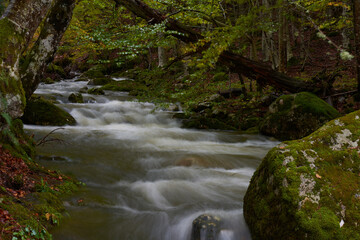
x: 42, y: 53
x: 251, y: 69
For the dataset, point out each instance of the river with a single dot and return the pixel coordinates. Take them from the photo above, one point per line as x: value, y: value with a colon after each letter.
x: 134, y: 160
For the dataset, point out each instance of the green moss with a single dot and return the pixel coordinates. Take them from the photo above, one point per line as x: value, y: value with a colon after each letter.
x: 310, y: 103
x: 296, y: 116
x: 100, y: 81
x: 321, y: 224
x: 42, y: 112
x: 124, y: 86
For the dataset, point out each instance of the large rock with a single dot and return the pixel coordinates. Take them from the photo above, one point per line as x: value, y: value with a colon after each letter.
x: 296, y: 116
x: 309, y: 188
x: 39, y: 111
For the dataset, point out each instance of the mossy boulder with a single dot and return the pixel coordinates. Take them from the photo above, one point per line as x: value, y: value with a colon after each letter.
x: 76, y: 98
x: 309, y: 188
x: 39, y: 111
x: 295, y: 116
x: 96, y: 91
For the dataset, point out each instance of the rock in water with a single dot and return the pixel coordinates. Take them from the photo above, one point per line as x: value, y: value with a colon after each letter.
x: 309, y: 188
x: 296, y: 116
x: 39, y: 111
x: 76, y: 98
x: 205, y: 227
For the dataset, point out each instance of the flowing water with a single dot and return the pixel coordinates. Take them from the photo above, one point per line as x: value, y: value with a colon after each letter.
x: 146, y: 178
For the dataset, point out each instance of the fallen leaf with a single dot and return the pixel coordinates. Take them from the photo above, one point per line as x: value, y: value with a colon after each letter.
x: 318, y: 176
x: 48, y: 216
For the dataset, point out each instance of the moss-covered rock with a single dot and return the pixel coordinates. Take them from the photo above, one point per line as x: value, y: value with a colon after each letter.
x: 76, y: 98
x: 309, y: 188
x: 39, y: 111
x: 96, y: 91
x: 296, y: 116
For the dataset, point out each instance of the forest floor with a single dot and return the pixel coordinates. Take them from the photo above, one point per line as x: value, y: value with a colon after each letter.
x: 29, y: 197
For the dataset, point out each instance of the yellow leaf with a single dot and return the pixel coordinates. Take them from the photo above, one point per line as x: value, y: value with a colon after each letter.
x: 48, y: 216
x: 318, y: 176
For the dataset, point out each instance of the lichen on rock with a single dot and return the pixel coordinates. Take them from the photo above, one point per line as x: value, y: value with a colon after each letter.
x: 309, y: 188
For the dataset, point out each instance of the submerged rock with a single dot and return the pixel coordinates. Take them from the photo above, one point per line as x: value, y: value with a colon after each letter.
x: 39, y: 111
x: 205, y: 227
x: 309, y: 188
x: 296, y: 116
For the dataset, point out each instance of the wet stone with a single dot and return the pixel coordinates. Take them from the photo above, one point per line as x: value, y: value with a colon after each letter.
x: 205, y: 227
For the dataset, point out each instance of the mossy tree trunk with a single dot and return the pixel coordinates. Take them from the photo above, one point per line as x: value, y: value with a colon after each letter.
x: 251, y: 69
x: 18, y: 25
x: 41, y: 54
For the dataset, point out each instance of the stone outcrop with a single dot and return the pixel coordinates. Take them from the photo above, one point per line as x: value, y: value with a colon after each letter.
x: 309, y: 188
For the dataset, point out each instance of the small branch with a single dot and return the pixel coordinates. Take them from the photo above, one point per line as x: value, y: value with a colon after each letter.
x: 45, y: 140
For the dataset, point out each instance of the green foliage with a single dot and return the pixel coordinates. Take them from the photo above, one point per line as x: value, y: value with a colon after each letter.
x: 28, y: 233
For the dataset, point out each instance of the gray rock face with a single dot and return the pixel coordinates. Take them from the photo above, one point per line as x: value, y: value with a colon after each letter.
x: 205, y: 227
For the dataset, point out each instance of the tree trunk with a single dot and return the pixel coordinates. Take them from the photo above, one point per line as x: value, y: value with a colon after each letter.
x: 162, y: 57
x: 238, y: 63
x: 17, y: 27
x: 42, y: 53
x: 356, y: 13
x: 282, y: 41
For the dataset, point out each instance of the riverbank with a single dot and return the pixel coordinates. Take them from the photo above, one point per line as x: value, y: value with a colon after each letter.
x: 30, y: 195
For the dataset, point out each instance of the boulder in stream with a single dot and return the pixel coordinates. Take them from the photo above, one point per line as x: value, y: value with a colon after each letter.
x: 309, y: 188
x: 205, y: 227
x: 296, y: 116
x: 39, y: 111
x: 76, y: 98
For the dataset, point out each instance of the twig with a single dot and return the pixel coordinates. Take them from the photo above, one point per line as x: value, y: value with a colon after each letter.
x: 44, y: 139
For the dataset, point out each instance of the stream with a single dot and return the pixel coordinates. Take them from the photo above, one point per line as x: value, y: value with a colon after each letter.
x: 146, y: 178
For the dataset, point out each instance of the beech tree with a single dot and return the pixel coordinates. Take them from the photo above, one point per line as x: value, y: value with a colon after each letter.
x: 18, y: 25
